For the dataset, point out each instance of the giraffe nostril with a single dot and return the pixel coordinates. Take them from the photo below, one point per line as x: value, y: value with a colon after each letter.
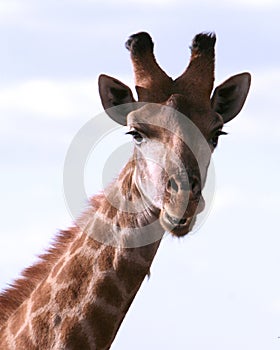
x: 182, y: 221
x: 172, y: 185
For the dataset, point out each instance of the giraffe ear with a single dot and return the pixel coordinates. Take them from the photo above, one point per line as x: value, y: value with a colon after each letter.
x: 229, y: 98
x: 115, y: 94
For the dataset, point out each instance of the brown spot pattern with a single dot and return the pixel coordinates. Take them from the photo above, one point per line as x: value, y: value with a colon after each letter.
x: 77, y: 339
x: 42, y: 327
x: 3, y: 341
x: 103, y: 326
x: 105, y: 259
x: 78, y: 272
x: 42, y: 296
x: 131, y: 274
x: 23, y: 342
x: 108, y: 289
x: 78, y: 269
x: 18, y: 319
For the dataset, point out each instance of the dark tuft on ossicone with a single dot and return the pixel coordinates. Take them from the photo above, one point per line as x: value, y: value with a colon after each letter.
x: 140, y: 43
x: 203, y: 42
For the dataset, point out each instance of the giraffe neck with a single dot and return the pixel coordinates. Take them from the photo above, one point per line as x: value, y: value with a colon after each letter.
x: 82, y: 300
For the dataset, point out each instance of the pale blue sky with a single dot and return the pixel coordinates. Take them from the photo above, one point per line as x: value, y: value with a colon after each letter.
x: 218, y: 288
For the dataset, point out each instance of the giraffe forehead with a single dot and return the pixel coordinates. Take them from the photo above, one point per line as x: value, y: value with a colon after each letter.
x: 178, y: 120
x: 154, y: 119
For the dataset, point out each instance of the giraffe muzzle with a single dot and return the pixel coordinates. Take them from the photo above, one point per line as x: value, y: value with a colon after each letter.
x: 184, y: 202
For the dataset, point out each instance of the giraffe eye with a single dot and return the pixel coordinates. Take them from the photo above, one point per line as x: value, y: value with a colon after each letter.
x: 215, y: 138
x: 214, y: 141
x: 138, y: 138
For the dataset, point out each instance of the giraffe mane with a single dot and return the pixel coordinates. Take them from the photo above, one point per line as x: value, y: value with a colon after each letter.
x: 17, y: 292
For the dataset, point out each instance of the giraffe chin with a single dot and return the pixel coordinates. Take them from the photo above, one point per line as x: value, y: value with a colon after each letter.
x: 178, y: 227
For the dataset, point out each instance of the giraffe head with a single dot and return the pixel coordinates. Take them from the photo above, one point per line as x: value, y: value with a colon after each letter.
x: 175, y: 125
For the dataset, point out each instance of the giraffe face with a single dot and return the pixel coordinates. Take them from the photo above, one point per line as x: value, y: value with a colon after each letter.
x: 172, y: 154
x: 175, y: 125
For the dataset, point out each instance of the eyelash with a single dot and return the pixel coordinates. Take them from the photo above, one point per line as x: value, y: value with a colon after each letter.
x: 138, y: 138
x: 214, y: 139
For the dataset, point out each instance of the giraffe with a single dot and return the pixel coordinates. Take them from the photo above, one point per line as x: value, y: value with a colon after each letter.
x: 77, y: 294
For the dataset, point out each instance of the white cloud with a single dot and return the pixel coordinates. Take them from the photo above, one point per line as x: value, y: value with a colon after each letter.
x: 9, y: 8
x: 275, y: 306
x: 54, y: 99
x: 226, y: 197
x: 240, y: 4
x: 235, y: 3
x: 260, y: 121
x: 141, y: 2
x: 266, y: 78
x: 255, y: 3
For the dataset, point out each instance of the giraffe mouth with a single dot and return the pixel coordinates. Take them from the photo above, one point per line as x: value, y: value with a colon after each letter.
x: 177, y: 226
x: 175, y: 221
